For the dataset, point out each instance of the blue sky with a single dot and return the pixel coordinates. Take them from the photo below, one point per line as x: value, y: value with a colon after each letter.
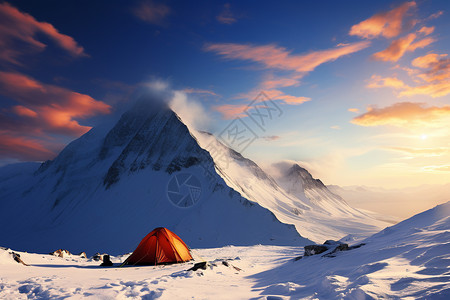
x: 364, y: 86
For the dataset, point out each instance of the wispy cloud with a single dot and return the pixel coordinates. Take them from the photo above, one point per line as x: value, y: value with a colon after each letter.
x: 405, y: 114
x: 271, y: 138
x: 435, y: 15
x: 226, y: 16
x: 438, y: 168
x: 24, y: 148
x: 387, y: 24
x: 18, y: 28
x: 421, y: 152
x: 426, y: 30
x: 377, y: 81
x: 287, y: 99
x: 199, y: 91
x: 151, y: 12
x: 275, y: 57
x: 399, y: 47
x: 231, y: 111
x: 273, y: 94
x: 438, y: 89
x: 272, y: 82
x: 353, y: 110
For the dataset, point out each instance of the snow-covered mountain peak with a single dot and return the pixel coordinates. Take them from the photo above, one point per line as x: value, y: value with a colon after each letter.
x: 297, y: 181
x: 151, y: 138
x: 307, y: 181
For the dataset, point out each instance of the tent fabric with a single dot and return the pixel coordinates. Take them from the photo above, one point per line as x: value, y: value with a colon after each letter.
x: 161, y: 246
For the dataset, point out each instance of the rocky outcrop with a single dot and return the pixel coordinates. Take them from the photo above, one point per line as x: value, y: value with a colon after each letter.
x: 330, y: 248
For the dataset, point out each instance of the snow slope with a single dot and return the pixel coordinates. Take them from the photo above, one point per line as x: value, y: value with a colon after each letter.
x: 410, y: 260
x: 109, y: 188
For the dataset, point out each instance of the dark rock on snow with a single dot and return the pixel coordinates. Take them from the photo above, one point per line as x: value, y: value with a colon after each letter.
x: 330, y: 246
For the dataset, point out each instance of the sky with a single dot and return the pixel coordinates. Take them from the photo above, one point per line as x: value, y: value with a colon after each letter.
x: 358, y: 92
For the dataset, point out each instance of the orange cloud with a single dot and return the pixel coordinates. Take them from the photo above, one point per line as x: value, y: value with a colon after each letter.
x: 273, y: 95
x: 275, y: 57
x: 433, y: 77
x: 270, y: 82
x: 24, y: 112
x: 354, y: 110
x: 388, y: 24
x: 53, y: 109
x: 17, y: 28
x: 23, y: 148
x: 427, y: 60
x: 231, y: 111
x: 435, y: 73
x: 151, y: 12
x: 434, y: 90
x: 405, y: 114
x: 398, y: 47
x: 287, y: 99
x: 380, y: 82
x: 426, y: 30
x: 44, y: 109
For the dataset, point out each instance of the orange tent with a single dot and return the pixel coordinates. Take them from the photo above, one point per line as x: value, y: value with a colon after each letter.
x: 161, y: 246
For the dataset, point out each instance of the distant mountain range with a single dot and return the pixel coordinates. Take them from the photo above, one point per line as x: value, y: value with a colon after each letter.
x: 401, y: 203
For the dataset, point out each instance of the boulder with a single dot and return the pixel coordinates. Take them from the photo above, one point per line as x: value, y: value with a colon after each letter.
x: 332, y: 243
x: 315, y: 249
x: 106, y: 261
x: 330, y: 246
x: 201, y: 265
